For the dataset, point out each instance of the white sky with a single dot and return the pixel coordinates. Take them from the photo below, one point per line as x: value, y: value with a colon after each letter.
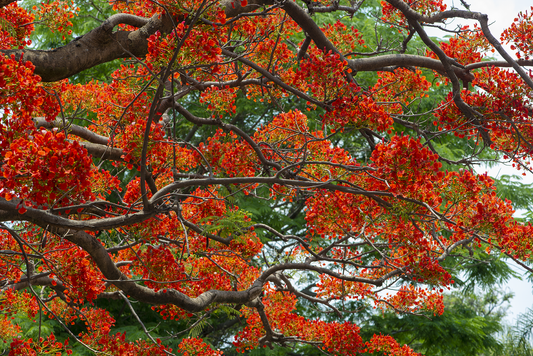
x: 501, y: 15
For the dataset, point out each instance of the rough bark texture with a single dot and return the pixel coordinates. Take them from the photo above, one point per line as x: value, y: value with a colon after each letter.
x: 100, y: 45
x: 6, y: 2
x: 103, y: 44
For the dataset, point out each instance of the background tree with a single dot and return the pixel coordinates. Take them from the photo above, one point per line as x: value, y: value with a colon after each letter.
x: 518, y: 339
x: 254, y: 172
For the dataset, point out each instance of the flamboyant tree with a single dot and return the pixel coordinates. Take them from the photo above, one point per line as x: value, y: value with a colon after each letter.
x: 246, y: 155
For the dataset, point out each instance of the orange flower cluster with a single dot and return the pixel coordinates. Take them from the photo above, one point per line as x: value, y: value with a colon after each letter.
x: 425, y: 7
x: 520, y: 35
x: 57, y: 15
x: 15, y: 28
x: 393, y: 211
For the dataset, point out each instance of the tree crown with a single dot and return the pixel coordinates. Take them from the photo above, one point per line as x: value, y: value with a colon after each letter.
x: 268, y: 166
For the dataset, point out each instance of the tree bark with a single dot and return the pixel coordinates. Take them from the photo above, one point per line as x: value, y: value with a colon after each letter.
x: 6, y: 2
x: 99, y: 46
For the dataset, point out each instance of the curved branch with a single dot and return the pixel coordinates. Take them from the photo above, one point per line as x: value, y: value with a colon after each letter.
x: 201, y: 121
x: 297, y: 293
x: 103, y: 152
x: 309, y: 26
x: 126, y: 19
x: 481, y: 18
x: 111, y: 272
x: 97, y: 145
x: 468, y: 111
x: 405, y: 60
x: 6, y: 2
x: 296, y: 12
x: 99, y: 46
x: 483, y: 21
x: 76, y: 130
x: 143, y: 294
x: 438, y: 17
x: 504, y: 64
x: 267, y: 180
x: 48, y: 218
x: 198, y: 230
x: 41, y: 280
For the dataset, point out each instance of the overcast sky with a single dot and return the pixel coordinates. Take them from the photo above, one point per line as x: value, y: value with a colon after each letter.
x: 501, y: 13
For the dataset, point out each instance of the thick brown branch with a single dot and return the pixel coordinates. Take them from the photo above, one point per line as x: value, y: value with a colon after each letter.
x: 143, y: 294
x: 47, y: 217
x: 6, y: 2
x: 103, y: 152
x: 99, y: 46
x: 481, y: 18
x: 299, y: 15
x: 438, y: 17
x: 405, y: 60
x: 310, y: 27
x: 126, y: 19
x: 170, y: 296
x: 449, y: 68
x: 41, y: 280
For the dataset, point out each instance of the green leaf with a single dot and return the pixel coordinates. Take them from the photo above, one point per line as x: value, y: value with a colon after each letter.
x: 197, y: 329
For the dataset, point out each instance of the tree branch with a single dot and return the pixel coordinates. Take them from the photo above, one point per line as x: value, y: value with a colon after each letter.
x: 99, y: 46
x: 76, y: 130
x: 6, y: 2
